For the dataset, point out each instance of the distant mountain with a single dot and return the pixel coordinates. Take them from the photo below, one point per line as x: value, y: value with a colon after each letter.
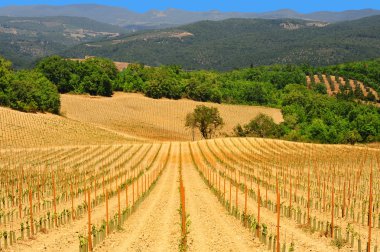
x: 23, y: 40
x: 237, y: 43
x: 101, y: 13
x: 168, y: 18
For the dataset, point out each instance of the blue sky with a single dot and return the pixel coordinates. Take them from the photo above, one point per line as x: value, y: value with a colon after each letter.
x: 222, y: 5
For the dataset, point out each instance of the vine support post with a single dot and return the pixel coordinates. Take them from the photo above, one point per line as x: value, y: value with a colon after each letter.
x: 278, y: 216
x: 107, y: 221
x: 370, y: 209
x: 31, y: 210
x: 89, y: 221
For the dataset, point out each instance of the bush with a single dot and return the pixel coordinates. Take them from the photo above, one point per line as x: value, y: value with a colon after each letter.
x: 94, y: 76
x: 261, y: 126
x: 31, y: 91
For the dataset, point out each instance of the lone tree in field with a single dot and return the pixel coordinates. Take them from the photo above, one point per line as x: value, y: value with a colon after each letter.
x: 206, y: 119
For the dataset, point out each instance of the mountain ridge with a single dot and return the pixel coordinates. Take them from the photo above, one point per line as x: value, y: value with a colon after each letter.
x: 170, y: 17
x: 23, y: 40
x: 236, y: 43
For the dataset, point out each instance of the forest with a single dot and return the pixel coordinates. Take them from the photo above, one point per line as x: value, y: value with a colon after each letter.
x: 239, y: 43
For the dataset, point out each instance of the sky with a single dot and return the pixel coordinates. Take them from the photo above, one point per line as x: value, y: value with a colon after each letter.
x: 303, y: 6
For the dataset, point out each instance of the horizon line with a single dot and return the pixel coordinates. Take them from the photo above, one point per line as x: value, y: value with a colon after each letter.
x: 172, y: 8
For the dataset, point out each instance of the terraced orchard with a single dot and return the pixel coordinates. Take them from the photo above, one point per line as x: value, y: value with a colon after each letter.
x: 337, y: 84
x: 236, y: 194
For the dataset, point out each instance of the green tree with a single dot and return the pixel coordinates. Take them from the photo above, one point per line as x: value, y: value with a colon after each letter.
x: 261, y: 126
x: 59, y: 71
x: 353, y: 137
x: 5, y: 75
x: 5, y: 67
x: 206, y: 119
x: 31, y: 91
x: 319, y: 88
x: 318, y: 131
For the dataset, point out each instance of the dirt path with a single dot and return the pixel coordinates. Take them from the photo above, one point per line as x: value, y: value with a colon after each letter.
x: 212, y: 228
x: 155, y: 225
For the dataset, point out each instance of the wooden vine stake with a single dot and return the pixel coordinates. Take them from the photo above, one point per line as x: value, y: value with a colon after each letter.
x: 290, y: 192
x: 137, y: 187
x: 237, y: 193
x: 258, y: 210
x: 96, y: 182
x: 344, y: 199
x: 370, y: 209
x: 278, y: 217
x: 38, y: 196
x: 245, y: 202
x: 332, y: 204
x: 72, y: 202
x: 54, y: 201
x: 20, y: 197
x: 104, y: 192
x: 118, y: 202
x: 31, y: 210
x: 230, y: 190
x: 89, y: 221
x: 324, y: 194
x: 107, y: 223
x: 308, y: 196
x: 224, y: 185
x: 133, y: 193
x: 126, y: 194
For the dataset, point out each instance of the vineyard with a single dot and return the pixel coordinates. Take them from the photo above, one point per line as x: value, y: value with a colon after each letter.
x: 226, y: 194
x: 337, y: 84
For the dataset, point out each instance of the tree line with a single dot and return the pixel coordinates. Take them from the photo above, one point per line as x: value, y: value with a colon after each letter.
x: 27, y: 90
x: 309, y: 115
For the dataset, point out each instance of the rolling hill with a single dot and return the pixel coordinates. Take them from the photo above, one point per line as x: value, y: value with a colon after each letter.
x: 237, y: 43
x: 157, y: 120
x: 24, y: 40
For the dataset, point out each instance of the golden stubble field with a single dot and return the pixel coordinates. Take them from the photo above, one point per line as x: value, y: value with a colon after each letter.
x: 26, y: 130
x: 152, y: 119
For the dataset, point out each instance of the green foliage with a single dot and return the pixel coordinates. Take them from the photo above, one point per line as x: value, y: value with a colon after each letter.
x: 59, y: 71
x: 314, y: 117
x: 261, y: 126
x: 353, y: 137
x: 246, y: 86
x: 366, y: 71
x: 237, y: 43
x: 319, y: 88
x: 206, y: 119
x: 30, y: 91
x: 94, y: 76
x: 338, y: 242
x: 5, y: 67
x: 131, y: 79
x: 27, y: 39
x: 309, y: 115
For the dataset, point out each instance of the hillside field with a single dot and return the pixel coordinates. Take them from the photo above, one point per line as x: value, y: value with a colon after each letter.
x: 153, y: 119
x: 122, y: 174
